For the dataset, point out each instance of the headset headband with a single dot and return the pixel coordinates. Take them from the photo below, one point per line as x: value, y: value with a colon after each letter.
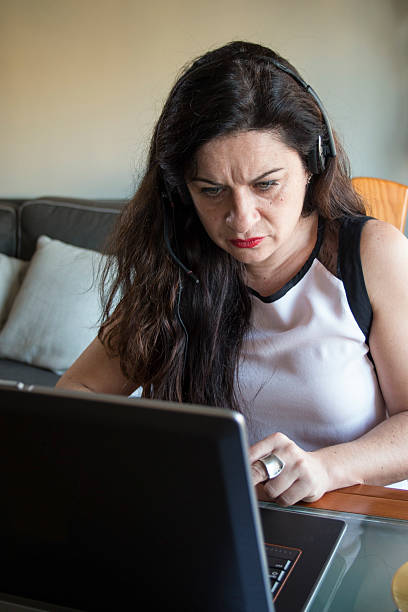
x: 309, y: 89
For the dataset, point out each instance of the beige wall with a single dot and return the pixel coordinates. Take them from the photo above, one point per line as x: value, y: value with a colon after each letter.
x: 82, y: 81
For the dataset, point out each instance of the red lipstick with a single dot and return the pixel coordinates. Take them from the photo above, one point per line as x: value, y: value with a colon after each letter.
x: 247, y: 244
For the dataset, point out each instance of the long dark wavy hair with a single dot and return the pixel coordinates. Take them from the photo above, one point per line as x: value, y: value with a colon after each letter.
x: 180, y: 340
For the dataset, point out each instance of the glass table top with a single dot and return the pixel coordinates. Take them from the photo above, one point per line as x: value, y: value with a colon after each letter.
x: 360, y: 575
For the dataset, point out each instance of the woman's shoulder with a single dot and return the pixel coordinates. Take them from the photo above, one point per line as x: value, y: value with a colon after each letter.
x: 384, y: 257
x: 381, y: 240
x: 375, y: 244
x: 372, y: 236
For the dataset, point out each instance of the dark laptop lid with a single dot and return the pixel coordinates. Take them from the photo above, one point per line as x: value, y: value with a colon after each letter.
x: 117, y: 504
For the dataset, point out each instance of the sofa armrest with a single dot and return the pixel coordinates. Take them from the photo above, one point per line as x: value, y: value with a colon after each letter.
x: 8, y: 227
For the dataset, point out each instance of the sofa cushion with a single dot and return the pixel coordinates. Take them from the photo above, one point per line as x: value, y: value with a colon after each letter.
x: 56, y: 312
x: 27, y: 374
x: 12, y: 271
x: 83, y: 223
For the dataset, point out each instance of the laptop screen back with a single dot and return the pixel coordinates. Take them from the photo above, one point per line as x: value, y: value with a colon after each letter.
x: 111, y: 504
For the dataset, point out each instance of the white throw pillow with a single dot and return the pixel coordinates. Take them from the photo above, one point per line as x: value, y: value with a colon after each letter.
x: 11, y: 275
x: 55, y: 314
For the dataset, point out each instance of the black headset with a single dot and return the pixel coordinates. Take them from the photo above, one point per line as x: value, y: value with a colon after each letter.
x: 168, y: 204
x: 317, y: 161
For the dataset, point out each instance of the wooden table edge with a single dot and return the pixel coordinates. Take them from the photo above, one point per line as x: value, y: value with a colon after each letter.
x: 365, y: 499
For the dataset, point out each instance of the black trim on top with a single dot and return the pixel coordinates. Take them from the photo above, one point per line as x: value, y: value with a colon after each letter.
x: 298, y: 277
x: 350, y: 271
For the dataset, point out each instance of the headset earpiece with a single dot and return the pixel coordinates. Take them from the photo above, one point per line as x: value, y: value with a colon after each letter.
x: 316, y: 161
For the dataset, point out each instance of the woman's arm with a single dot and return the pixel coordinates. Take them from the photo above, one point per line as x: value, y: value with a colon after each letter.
x: 96, y: 371
x: 380, y: 456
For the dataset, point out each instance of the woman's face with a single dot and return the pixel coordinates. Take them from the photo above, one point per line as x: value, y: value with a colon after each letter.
x: 248, y: 191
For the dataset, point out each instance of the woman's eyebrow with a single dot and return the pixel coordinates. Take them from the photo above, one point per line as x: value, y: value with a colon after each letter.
x: 258, y: 178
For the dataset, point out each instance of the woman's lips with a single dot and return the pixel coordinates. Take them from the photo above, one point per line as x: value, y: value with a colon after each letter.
x: 247, y: 244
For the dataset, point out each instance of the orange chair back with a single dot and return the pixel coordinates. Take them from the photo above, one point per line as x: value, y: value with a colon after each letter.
x: 385, y: 200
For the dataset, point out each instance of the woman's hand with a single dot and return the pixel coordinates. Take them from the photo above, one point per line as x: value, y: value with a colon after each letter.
x: 303, y: 477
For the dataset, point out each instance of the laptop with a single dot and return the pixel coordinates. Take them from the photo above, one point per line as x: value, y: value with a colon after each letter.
x: 110, y: 503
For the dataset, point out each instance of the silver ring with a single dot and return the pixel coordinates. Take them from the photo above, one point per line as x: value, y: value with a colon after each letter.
x: 273, y: 465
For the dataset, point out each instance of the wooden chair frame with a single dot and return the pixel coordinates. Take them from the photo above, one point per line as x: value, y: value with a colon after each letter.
x: 385, y: 200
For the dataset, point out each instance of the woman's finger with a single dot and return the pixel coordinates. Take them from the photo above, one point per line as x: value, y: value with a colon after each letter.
x: 267, y: 445
x: 259, y: 472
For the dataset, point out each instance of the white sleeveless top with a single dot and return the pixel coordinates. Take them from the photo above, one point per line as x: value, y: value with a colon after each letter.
x: 305, y: 368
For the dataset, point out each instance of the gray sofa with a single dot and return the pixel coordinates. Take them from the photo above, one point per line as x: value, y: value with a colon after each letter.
x: 83, y: 224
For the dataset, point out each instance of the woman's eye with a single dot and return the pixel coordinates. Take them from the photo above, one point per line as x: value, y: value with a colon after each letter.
x: 265, y: 185
x: 212, y: 192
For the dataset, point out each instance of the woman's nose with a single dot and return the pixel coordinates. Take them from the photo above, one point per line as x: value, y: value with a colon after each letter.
x: 243, y: 213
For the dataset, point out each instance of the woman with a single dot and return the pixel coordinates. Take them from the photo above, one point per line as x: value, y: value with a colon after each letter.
x: 247, y: 276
